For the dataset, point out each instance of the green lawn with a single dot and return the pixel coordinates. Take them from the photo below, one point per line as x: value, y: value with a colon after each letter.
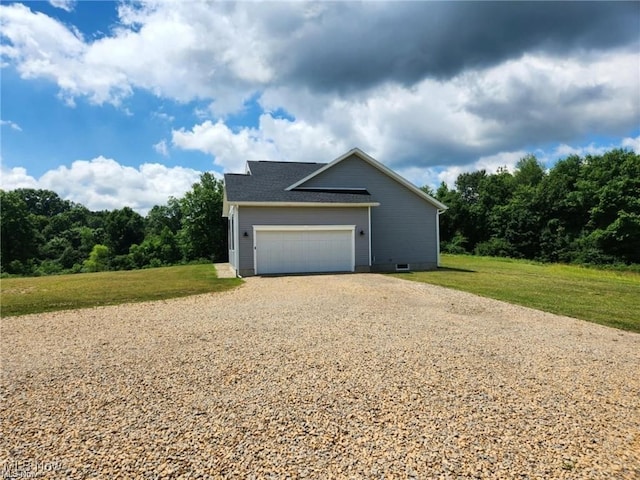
x: 607, y: 297
x: 19, y: 296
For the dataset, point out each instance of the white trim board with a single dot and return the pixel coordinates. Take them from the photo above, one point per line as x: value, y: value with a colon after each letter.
x: 304, y: 204
x: 227, y: 205
x: 303, y: 227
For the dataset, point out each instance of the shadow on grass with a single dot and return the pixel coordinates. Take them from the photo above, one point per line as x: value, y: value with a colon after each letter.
x: 452, y: 269
x: 438, y: 270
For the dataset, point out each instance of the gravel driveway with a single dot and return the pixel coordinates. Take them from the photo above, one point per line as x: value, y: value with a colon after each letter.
x: 345, y: 376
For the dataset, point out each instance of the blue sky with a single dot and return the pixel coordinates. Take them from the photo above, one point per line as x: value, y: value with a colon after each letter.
x: 126, y: 103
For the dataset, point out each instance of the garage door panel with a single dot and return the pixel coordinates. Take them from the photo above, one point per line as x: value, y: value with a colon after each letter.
x: 300, y: 251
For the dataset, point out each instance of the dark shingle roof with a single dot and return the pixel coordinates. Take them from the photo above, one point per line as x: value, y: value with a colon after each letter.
x: 268, y: 181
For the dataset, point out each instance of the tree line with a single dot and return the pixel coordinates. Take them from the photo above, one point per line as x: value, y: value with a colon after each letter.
x: 43, y: 234
x: 582, y: 210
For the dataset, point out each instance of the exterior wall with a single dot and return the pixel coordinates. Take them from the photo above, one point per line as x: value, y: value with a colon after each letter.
x: 404, y: 226
x: 249, y: 216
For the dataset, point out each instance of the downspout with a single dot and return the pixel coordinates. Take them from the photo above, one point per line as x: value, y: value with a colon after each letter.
x: 438, y: 212
x: 369, y: 238
x: 236, y: 234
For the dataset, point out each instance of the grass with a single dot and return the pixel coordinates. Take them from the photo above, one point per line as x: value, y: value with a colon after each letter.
x: 606, y: 297
x: 19, y: 296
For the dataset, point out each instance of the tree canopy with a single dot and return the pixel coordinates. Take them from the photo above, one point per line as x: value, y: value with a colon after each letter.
x: 44, y: 234
x: 583, y: 210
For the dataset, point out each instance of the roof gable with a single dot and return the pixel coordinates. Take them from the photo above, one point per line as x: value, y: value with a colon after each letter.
x: 374, y: 163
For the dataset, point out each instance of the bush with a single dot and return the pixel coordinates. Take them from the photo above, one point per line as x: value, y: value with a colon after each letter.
x: 496, y: 247
x: 16, y: 267
x: 49, y: 267
x: 76, y: 268
x: 98, y: 259
x: 154, y: 263
x: 455, y: 246
x: 123, y: 262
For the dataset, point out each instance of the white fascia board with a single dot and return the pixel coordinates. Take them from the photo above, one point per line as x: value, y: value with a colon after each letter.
x: 304, y: 204
x: 374, y: 163
x: 277, y: 228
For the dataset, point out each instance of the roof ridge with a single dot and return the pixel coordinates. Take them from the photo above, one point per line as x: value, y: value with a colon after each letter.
x: 284, y: 161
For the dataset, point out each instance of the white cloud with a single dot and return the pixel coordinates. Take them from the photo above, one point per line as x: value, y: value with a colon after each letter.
x: 450, y: 174
x: 223, y: 54
x: 274, y: 139
x: 563, y: 150
x: 163, y: 116
x: 433, y: 177
x: 632, y: 143
x: 538, y: 96
x: 182, y: 51
x: 16, y: 177
x: 471, y: 120
x: 476, y: 115
x: 12, y: 125
x: 421, y: 176
x: 67, y: 5
x: 161, y: 148
x: 491, y: 163
x: 104, y: 184
x: 42, y: 47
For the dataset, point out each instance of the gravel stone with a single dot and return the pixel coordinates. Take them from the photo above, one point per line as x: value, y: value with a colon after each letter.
x: 328, y: 376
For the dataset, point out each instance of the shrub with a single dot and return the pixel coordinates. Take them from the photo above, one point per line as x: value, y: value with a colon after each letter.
x: 123, y: 262
x: 49, y: 267
x: 98, y: 259
x: 456, y: 245
x: 496, y: 247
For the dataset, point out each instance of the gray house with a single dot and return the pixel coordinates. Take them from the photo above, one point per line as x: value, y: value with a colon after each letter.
x: 351, y: 215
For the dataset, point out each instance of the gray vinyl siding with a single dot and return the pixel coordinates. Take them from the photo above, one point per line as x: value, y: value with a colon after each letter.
x: 403, y: 226
x: 249, y: 216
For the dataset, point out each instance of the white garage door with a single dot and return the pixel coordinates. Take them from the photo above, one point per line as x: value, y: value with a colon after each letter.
x: 304, y: 249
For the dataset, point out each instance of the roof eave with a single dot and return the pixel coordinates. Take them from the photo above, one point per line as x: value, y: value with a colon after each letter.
x: 302, y: 204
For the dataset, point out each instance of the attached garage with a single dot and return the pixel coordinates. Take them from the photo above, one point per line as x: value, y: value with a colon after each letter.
x: 303, y: 248
x: 353, y: 214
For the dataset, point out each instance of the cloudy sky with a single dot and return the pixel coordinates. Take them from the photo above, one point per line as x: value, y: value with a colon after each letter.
x: 126, y: 103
